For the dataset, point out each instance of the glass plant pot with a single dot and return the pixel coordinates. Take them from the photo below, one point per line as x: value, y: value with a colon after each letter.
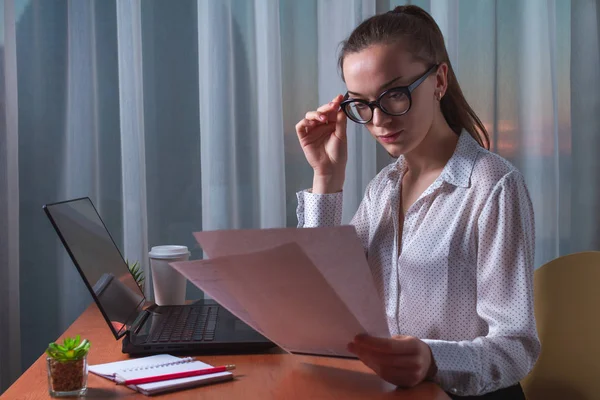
x: 67, y: 378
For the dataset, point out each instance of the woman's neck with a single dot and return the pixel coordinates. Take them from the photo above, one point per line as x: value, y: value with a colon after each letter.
x: 434, y: 151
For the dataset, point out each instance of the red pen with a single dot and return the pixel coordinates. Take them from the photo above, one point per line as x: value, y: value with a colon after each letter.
x: 177, y: 375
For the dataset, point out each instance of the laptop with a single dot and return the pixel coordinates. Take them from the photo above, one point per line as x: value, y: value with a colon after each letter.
x: 146, y: 328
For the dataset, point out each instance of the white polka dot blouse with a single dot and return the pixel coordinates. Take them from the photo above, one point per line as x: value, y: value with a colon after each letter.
x: 460, y: 276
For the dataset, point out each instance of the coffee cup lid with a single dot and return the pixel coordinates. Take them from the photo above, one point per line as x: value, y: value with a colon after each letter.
x: 168, y: 251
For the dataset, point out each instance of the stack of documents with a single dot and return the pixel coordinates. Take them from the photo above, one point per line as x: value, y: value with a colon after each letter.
x: 308, y: 290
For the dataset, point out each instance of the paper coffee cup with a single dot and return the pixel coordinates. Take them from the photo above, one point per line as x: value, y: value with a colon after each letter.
x: 169, y: 285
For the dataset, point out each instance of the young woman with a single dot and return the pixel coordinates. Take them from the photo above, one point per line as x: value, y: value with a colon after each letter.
x: 448, y: 228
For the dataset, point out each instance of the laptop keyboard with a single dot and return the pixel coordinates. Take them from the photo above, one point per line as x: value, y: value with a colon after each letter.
x: 187, y: 324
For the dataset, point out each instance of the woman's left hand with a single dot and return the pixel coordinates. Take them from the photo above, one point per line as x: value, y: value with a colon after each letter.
x: 402, y: 360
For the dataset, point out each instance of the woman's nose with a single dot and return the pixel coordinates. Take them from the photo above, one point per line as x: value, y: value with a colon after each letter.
x: 380, y: 118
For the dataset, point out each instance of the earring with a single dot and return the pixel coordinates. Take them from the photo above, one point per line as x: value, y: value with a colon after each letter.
x: 439, y: 96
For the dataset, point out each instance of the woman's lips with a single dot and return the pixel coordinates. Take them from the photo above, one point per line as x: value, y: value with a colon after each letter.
x: 389, y: 138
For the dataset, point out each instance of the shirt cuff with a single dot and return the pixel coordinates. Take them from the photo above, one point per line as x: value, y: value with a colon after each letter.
x: 455, y: 367
x: 315, y: 210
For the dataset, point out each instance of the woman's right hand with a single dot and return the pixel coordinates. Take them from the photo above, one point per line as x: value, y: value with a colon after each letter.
x: 322, y: 135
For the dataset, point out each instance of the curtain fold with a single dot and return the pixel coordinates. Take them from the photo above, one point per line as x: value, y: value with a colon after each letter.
x: 300, y: 71
x: 585, y: 112
x: 537, y: 130
x: 79, y: 173
x: 445, y: 13
x: 270, y: 116
x: 133, y: 150
x: 10, y: 339
x: 218, y: 114
x: 176, y: 117
x: 336, y: 20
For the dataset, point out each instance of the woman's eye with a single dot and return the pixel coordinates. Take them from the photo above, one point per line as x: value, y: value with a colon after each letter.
x: 361, y: 106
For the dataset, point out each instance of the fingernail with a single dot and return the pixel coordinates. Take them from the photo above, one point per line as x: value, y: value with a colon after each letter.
x: 331, y: 103
x: 322, y: 118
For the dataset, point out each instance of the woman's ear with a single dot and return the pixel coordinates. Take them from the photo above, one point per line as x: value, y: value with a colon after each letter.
x: 441, y: 81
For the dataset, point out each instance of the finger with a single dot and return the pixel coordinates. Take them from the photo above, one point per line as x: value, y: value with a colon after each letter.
x: 305, y: 124
x: 364, y: 357
x: 398, y: 345
x: 332, y: 105
x: 311, y: 123
x: 405, y: 377
x: 316, y: 116
x: 401, y: 378
x: 331, y: 109
x: 397, y: 376
x: 306, y: 128
x: 302, y: 127
x: 341, y: 122
x: 386, y: 360
x: 326, y: 108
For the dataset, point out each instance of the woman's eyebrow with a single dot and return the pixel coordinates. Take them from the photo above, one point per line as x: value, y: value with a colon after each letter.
x: 384, y: 86
x: 390, y: 83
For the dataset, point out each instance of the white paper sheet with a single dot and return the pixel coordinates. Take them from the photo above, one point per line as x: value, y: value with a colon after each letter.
x: 336, y: 251
x: 308, y: 290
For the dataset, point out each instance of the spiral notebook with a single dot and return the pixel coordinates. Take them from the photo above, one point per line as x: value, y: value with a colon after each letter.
x: 158, y: 365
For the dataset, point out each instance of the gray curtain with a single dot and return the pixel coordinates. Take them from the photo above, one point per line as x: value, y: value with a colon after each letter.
x: 178, y: 116
x: 585, y: 124
x: 10, y: 339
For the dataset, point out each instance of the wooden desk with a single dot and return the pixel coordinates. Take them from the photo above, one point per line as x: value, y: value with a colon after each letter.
x: 265, y: 376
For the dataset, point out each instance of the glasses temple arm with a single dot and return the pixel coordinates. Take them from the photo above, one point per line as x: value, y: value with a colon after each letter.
x: 416, y: 83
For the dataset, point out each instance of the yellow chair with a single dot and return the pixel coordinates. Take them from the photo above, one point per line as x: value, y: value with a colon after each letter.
x: 567, y: 310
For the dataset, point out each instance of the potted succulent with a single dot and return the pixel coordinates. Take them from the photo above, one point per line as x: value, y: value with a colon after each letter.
x: 67, y: 367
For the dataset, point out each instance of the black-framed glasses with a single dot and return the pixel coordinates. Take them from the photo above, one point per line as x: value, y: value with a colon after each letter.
x: 395, y: 101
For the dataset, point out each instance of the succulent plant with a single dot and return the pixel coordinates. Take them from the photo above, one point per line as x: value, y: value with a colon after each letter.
x: 138, y: 273
x: 71, y: 349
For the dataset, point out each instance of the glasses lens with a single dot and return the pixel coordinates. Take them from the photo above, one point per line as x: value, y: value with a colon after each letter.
x: 358, y: 112
x: 395, y: 102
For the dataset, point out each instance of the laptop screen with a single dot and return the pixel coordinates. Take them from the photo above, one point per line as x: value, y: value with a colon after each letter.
x: 98, y: 260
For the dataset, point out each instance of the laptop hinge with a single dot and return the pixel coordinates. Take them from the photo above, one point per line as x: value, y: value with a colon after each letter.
x: 139, y: 321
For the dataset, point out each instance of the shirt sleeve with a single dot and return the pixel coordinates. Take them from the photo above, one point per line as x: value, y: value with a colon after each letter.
x: 317, y: 210
x: 505, y: 259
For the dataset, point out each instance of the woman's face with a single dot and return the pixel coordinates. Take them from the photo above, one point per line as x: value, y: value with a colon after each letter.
x: 373, y: 70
